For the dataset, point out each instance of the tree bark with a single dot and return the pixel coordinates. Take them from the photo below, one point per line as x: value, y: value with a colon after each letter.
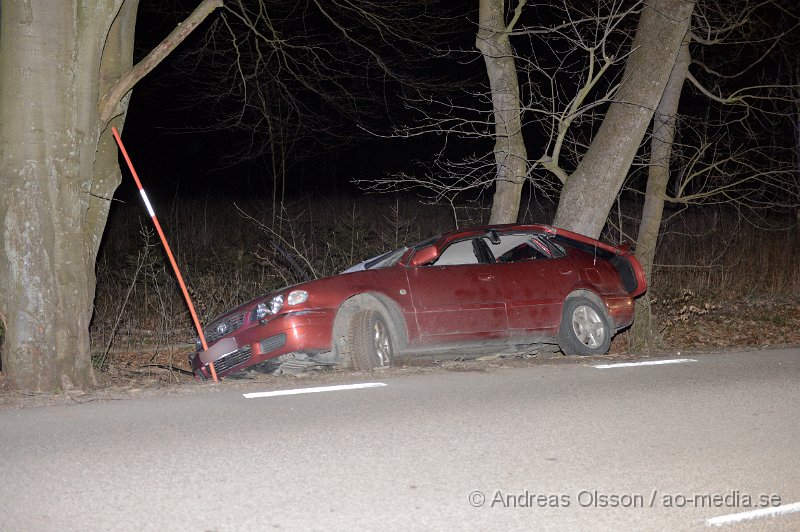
x: 590, y: 191
x: 53, y: 62
x: 664, y: 122
x: 511, y: 157
x: 59, y: 171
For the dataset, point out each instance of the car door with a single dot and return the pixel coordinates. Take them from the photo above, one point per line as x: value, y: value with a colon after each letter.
x: 534, y: 277
x: 457, y: 297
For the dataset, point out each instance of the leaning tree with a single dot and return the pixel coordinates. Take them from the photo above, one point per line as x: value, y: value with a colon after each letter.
x: 572, y: 87
x: 733, y: 147
x: 66, y: 74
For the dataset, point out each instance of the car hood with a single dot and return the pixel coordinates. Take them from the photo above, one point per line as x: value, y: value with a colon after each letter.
x: 249, y: 305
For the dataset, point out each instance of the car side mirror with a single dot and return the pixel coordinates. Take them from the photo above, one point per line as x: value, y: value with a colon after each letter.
x: 424, y: 256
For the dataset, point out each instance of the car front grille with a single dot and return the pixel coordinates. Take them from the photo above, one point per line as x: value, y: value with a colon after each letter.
x: 272, y: 343
x: 219, y: 329
x: 233, y: 359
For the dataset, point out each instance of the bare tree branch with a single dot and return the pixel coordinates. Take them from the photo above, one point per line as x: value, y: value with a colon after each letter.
x: 107, y: 107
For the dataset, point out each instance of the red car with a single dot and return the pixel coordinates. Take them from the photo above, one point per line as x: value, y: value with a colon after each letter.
x: 494, y: 289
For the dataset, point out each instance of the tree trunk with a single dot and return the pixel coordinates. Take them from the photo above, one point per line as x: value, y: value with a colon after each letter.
x: 58, y: 172
x: 510, y: 155
x: 664, y: 122
x: 592, y: 188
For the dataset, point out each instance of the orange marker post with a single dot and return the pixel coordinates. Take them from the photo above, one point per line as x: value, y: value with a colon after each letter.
x: 166, y: 247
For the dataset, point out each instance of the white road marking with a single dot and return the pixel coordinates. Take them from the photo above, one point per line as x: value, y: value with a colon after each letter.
x: 299, y: 391
x: 745, y: 516
x: 646, y: 363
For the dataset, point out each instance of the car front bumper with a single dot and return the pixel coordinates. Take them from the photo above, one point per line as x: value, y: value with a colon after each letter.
x: 300, y: 331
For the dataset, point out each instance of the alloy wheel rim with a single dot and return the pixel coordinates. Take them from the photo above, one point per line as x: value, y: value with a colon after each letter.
x: 383, y: 348
x: 588, y: 326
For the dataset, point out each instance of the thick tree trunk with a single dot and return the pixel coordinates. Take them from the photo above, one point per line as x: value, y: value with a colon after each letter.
x: 56, y: 60
x: 592, y: 188
x: 510, y: 155
x: 61, y: 87
x: 664, y: 122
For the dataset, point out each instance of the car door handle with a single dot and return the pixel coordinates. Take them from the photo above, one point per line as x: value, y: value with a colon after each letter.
x: 566, y: 271
x: 486, y: 277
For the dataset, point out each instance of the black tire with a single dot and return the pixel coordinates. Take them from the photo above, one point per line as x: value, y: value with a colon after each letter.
x: 585, y: 330
x: 370, y: 340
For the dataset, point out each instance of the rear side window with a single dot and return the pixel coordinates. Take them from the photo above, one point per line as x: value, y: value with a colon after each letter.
x: 520, y: 253
x: 595, y: 251
x: 518, y: 247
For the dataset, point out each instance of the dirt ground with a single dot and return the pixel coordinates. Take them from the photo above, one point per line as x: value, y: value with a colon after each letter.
x: 689, y: 323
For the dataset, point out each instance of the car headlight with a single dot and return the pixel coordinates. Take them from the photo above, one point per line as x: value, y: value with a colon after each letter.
x: 268, y: 308
x: 262, y: 311
x: 296, y: 297
x: 276, y: 304
x: 273, y: 306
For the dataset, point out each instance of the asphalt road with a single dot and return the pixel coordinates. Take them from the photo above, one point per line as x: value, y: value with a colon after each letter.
x: 540, y: 447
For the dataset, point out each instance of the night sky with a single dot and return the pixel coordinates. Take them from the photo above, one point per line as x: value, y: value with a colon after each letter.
x: 173, y: 157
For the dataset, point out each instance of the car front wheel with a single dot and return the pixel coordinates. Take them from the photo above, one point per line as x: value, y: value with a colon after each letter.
x: 584, y: 328
x: 370, y: 340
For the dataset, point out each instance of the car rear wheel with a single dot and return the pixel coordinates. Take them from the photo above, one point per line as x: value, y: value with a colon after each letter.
x: 370, y: 340
x: 584, y: 328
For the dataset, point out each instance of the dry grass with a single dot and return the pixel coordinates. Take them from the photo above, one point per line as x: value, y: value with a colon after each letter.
x: 724, y: 255
x: 710, y: 269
